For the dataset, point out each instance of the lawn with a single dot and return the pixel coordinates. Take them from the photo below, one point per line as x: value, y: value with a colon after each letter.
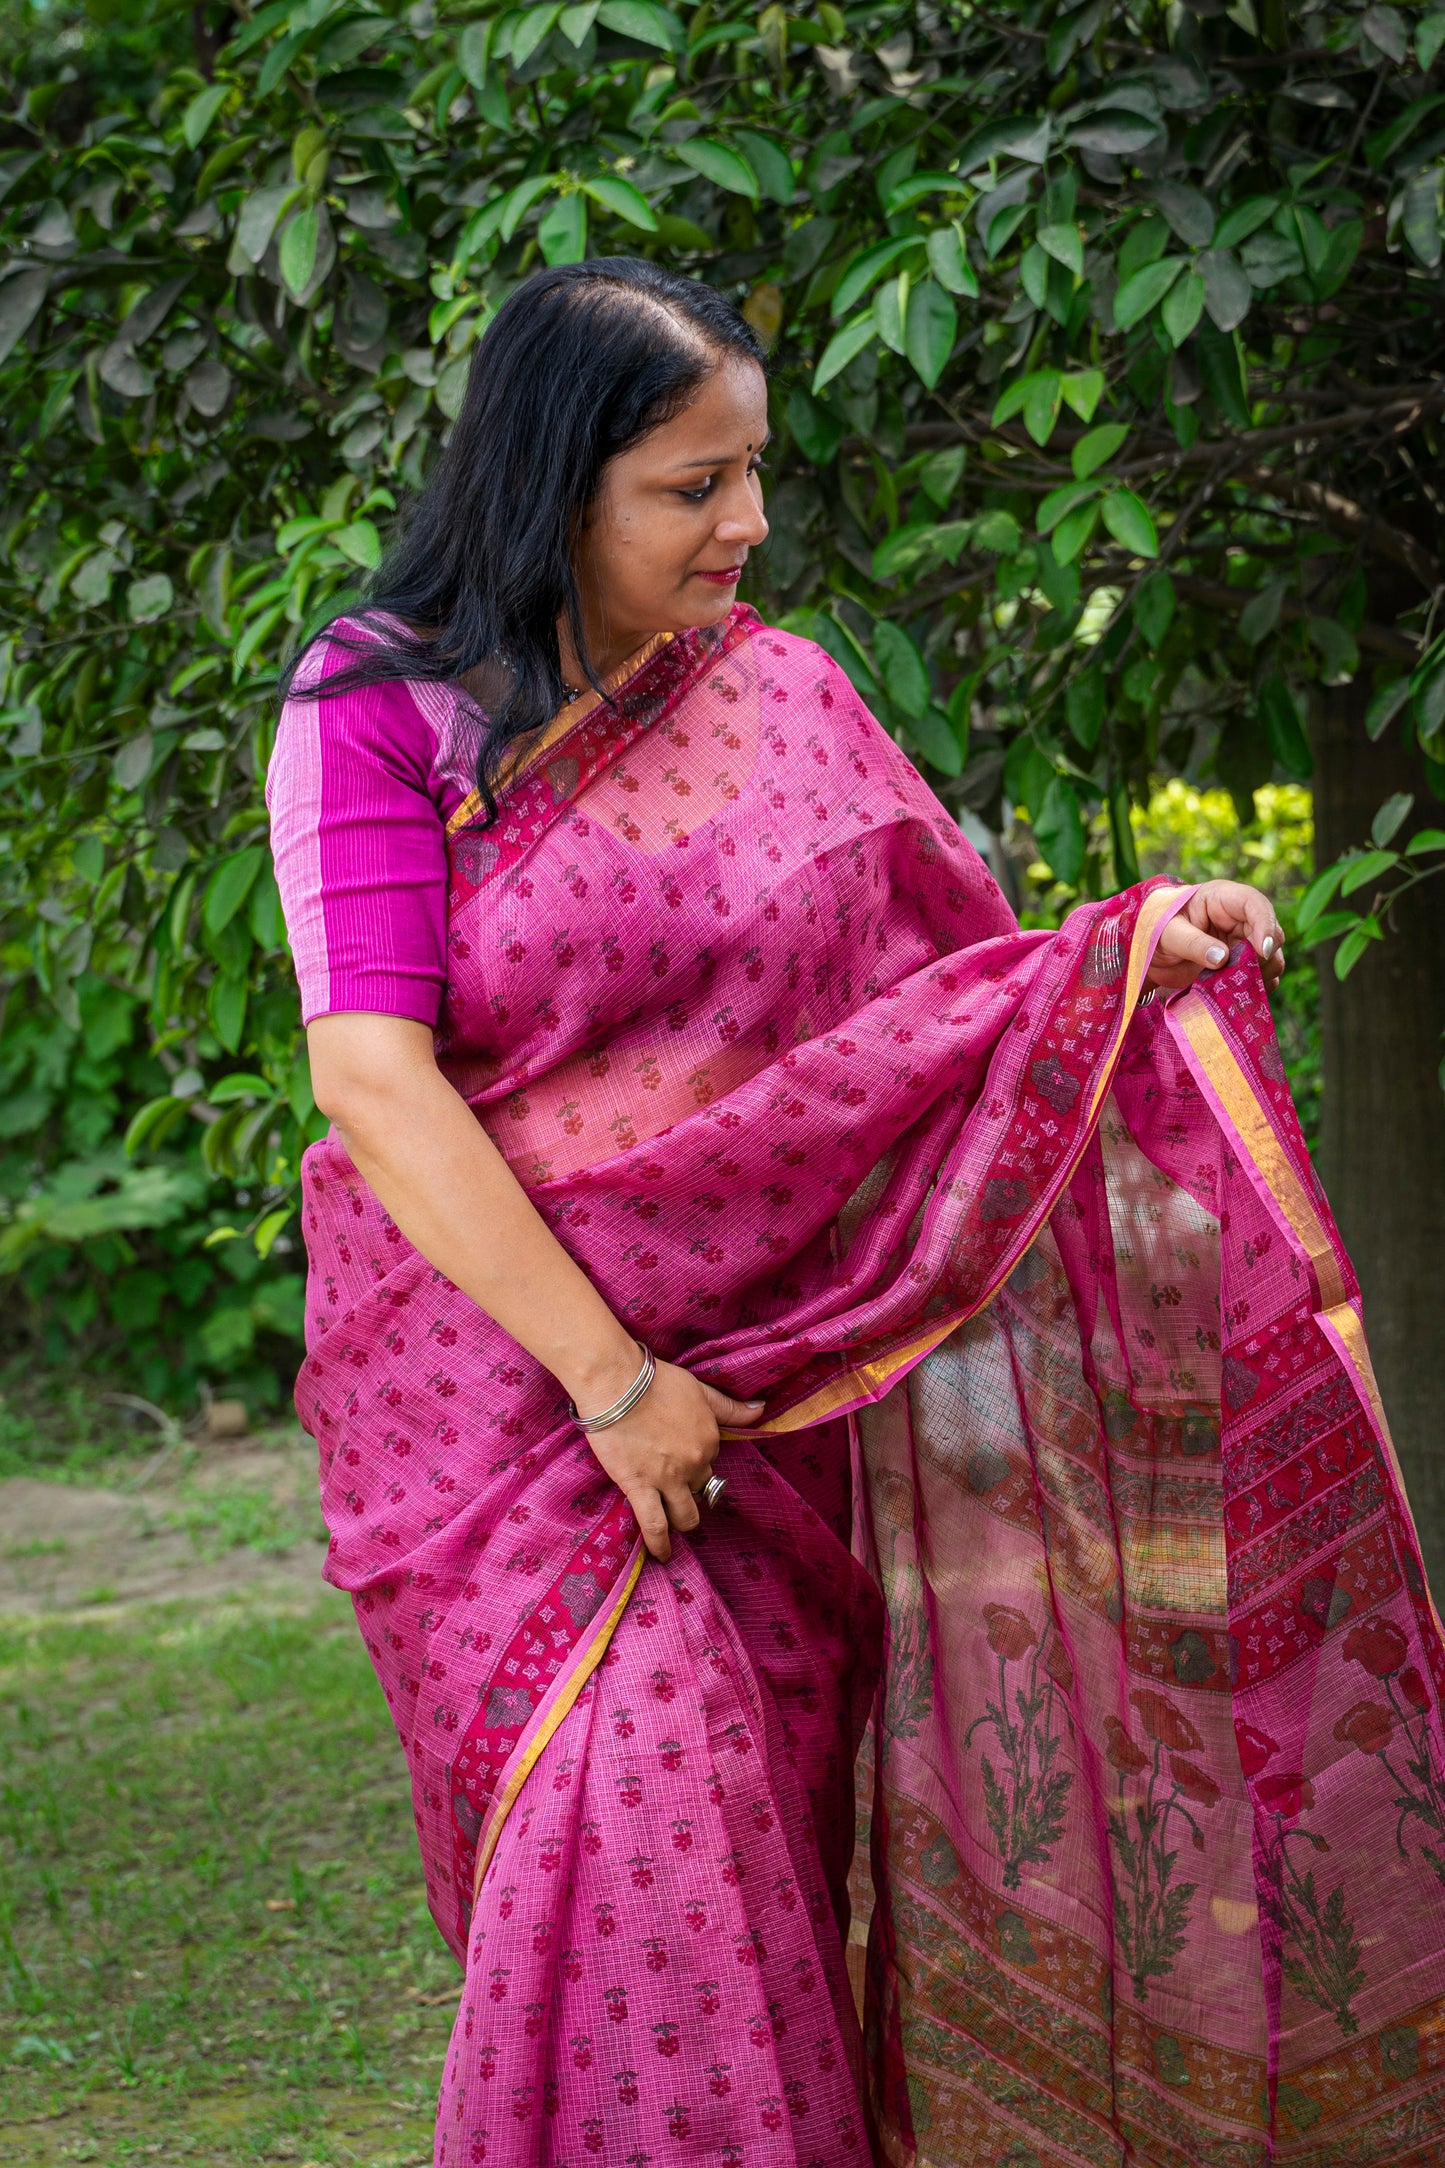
x: 212, y: 1941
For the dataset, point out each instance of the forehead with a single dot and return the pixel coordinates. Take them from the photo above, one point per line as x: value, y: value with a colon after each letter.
x: 727, y: 413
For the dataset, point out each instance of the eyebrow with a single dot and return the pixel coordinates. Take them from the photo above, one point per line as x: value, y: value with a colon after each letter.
x: 724, y: 459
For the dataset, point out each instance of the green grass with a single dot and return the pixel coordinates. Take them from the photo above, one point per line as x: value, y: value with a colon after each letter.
x: 225, y: 1517
x: 212, y: 1936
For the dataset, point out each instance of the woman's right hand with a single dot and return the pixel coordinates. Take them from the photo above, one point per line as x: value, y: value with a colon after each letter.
x: 663, y: 1452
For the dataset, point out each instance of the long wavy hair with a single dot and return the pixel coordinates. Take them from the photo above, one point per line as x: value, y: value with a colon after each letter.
x: 579, y: 364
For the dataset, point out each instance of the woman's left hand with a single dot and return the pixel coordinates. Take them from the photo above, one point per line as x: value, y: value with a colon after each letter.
x: 1198, y: 938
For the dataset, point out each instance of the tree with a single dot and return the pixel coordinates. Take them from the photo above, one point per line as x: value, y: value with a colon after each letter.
x: 1105, y: 411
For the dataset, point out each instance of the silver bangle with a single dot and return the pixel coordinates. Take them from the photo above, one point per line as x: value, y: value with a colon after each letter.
x: 623, y: 1407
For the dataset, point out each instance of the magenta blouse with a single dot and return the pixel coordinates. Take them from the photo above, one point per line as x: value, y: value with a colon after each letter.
x: 360, y: 789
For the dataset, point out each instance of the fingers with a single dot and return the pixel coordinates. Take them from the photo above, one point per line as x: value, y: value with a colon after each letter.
x: 682, y: 1508
x: 737, y: 1414
x: 652, y: 1522
x: 1181, y: 942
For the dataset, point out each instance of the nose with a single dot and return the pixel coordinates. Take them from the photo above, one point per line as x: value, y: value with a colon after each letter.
x: 742, y: 520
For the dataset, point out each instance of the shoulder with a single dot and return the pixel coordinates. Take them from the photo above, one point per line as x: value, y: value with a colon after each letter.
x: 378, y: 727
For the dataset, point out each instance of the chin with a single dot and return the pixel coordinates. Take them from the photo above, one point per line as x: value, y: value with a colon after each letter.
x: 707, y: 607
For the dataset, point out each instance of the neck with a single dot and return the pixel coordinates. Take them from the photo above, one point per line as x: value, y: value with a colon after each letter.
x: 608, y: 648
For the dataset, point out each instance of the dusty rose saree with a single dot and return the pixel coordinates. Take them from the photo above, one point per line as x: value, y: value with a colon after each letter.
x: 1074, y: 1506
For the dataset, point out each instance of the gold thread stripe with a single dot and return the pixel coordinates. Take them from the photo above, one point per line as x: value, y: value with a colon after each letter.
x: 1193, y: 1017
x: 517, y: 1775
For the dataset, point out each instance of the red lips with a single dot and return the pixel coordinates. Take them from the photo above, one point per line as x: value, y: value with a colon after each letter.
x: 729, y: 578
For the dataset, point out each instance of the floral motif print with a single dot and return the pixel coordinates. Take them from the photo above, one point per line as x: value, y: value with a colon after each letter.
x: 1151, y: 1908
x: 1400, y: 1723
x: 1027, y: 1799
x: 1320, y: 1955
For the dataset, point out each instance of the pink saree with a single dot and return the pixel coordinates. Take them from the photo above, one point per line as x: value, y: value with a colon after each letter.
x: 1074, y: 1507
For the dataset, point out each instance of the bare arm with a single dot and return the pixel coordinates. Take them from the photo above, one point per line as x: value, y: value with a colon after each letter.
x: 437, y: 1172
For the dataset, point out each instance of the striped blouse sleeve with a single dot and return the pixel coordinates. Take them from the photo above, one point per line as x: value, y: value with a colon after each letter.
x: 359, y: 842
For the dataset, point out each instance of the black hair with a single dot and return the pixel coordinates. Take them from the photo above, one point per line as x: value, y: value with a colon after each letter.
x: 579, y: 363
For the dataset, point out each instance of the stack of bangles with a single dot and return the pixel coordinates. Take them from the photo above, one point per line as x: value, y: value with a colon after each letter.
x: 715, y: 1485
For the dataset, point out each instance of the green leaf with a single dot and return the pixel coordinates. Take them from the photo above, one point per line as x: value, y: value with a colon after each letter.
x: 1329, y: 928
x: 1391, y: 817
x: 227, y: 1011
x: 1246, y: 218
x: 520, y: 200
x: 934, y: 736
x: 1284, y: 728
x: 1061, y: 501
x: 1092, y: 451
x: 997, y: 531
x: 948, y: 261
x: 1260, y: 614
x: 938, y: 477
x: 1429, y: 37
x: 1064, y: 244
x: 1320, y: 892
x: 1427, y: 839
x: 864, y: 270
x: 1227, y: 291
x: 575, y: 22
x: 360, y: 542
x: 1190, y: 214
x: 901, y: 667
x: 1362, y: 871
x: 641, y: 20
x: 1041, y: 405
x: 917, y: 186
x: 888, y: 305
x: 815, y: 431
x: 843, y: 347
x: 932, y: 326
x: 1222, y: 373
x: 1353, y: 947
x: 1034, y: 275
x: 1153, y: 607
x: 1337, y: 650
x: 1144, y: 289
x: 1084, y: 706
x: 1183, y: 306
x: 562, y: 234
x: 1074, y: 530
x: 716, y: 162
x: 297, y: 248
x: 201, y: 111
x: 1428, y: 687
x: 770, y: 162
x: 229, y: 886
x: 1083, y: 389
x: 150, y: 598
x: 533, y: 26
x: 623, y: 200
x: 270, y: 1227
x: 1059, y: 831
x: 1129, y: 521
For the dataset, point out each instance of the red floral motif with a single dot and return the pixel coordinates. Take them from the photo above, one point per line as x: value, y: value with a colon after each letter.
x: 1289, y: 1795
x: 1196, y: 1784
x: 1009, y: 1633
x: 1369, y: 1725
x: 1414, y: 1689
x: 1255, y: 1748
x: 1121, y: 1750
x: 1163, y: 1722
x: 1378, y: 1646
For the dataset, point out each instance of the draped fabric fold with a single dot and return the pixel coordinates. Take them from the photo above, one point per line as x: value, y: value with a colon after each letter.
x: 1073, y: 1505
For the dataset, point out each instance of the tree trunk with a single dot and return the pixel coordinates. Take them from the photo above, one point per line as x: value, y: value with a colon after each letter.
x: 1382, y: 1129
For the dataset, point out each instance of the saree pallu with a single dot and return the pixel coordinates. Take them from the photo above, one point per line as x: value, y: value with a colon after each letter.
x: 1073, y: 1505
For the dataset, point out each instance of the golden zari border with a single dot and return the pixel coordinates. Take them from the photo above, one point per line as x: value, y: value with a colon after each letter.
x: 1193, y: 1020
x: 522, y: 1767
x: 870, y: 1381
x: 566, y: 719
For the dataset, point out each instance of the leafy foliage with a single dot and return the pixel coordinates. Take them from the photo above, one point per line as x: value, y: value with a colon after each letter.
x: 1092, y: 455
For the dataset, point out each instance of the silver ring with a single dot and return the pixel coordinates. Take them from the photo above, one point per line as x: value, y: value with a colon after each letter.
x: 713, y: 1489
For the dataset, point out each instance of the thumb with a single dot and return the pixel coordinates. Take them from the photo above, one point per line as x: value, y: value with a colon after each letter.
x: 1183, y: 943
x: 737, y: 1414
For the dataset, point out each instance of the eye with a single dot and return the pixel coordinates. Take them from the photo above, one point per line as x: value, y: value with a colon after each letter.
x: 700, y: 495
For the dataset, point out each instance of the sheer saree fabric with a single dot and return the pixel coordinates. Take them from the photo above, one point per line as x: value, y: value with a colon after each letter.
x: 1073, y: 1503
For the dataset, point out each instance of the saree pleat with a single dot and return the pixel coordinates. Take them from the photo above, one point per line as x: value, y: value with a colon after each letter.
x: 1069, y: 1568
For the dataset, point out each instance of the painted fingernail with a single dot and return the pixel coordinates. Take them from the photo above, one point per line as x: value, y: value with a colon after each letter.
x: 1268, y: 950
x: 754, y: 1403
x: 1215, y: 954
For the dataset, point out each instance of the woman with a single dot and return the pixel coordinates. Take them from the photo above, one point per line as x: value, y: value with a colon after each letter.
x: 758, y: 1296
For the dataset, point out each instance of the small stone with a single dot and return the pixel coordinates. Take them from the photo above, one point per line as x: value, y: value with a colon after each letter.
x: 227, y: 1419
